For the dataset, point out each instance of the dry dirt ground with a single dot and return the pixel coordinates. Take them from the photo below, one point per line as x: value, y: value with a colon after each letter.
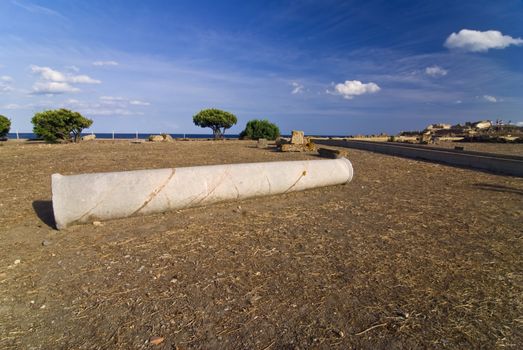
x: 408, y: 255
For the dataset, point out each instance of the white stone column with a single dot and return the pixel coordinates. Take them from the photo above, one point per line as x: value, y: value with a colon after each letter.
x: 102, y: 196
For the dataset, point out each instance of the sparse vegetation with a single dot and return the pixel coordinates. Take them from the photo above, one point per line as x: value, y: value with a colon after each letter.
x: 260, y: 129
x: 215, y: 119
x: 60, y: 125
x: 410, y: 133
x: 5, y: 126
x: 491, y: 139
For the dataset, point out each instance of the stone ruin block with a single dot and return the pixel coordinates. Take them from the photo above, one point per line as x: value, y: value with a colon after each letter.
x: 155, y: 138
x: 305, y: 147
x: 332, y: 153
x: 167, y: 138
x: 297, y: 138
x: 161, y: 138
x: 298, y: 143
x: 89, y: 137
x: 289, y: 147
x: 262, y: 143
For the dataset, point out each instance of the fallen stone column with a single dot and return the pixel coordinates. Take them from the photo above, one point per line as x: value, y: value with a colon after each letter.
x: 102, y: 196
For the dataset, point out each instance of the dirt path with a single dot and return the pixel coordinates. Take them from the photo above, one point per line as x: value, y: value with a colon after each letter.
x: 408, y: 255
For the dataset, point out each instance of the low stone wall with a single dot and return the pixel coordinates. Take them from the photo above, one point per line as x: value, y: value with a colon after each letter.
x: 503, y: 164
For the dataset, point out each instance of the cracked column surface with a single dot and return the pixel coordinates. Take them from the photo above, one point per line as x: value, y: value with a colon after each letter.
x: 102, y: 196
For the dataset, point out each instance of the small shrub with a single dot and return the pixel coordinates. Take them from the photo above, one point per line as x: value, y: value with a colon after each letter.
x: 215, y: 119
x: 260, y: 129
x: 60, y: 125
x: 5, y: 126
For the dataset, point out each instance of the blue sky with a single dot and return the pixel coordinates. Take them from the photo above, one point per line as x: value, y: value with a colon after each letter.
x: 326, y: 67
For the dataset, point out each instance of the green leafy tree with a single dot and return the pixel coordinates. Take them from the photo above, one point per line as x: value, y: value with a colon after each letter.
x: 5, y: 126
x: 215, y: 119
x: 60, y: 125
x: 260, y: 129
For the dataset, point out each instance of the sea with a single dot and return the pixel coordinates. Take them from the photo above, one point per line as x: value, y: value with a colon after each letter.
x: 109, y: 136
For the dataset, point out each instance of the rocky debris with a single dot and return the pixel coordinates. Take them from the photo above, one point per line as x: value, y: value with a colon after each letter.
x: 156, y: 340
x: 289, y: 147
x: 97, y: 223
x: 297, y: 137
x: 332, y: 153
x: 484, y: 124
x: 45, y: 242
x: 426, y: 137
x: 339, y: 333
x: 156, y: 138
x: 282, y: 141
x: 161, y: 138
x: 167, y: 138
x: 262, y: 143
x: 298, y: 143
x: 438, y: 127
x: 89, y: 137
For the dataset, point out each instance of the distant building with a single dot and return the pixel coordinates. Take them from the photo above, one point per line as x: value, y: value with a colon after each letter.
x: 484, y: 124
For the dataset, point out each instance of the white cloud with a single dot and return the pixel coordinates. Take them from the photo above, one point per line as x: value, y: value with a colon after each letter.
x: 5, y: 83
x: 458, y: 102
x: 52, y: 87
x: 55, y: 82
x: 490, y: 98
x: 105, y: 63
x: 82, y: 79
x: 115, y: 111
x: 36, y: 8
x: 352, y: 88
x: 4, y: 87
x: 13, y: 106
x: 139, y: 103
x: 122, y: 101
x: 106, y: 106
x: 72, y: 101
x: 519, y: 123
x: 47, y: 73
x: 297, y: 88
x: 436, y: 71
x: 112, y: 98
x: 477, y: 41
x: 73, y: 68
